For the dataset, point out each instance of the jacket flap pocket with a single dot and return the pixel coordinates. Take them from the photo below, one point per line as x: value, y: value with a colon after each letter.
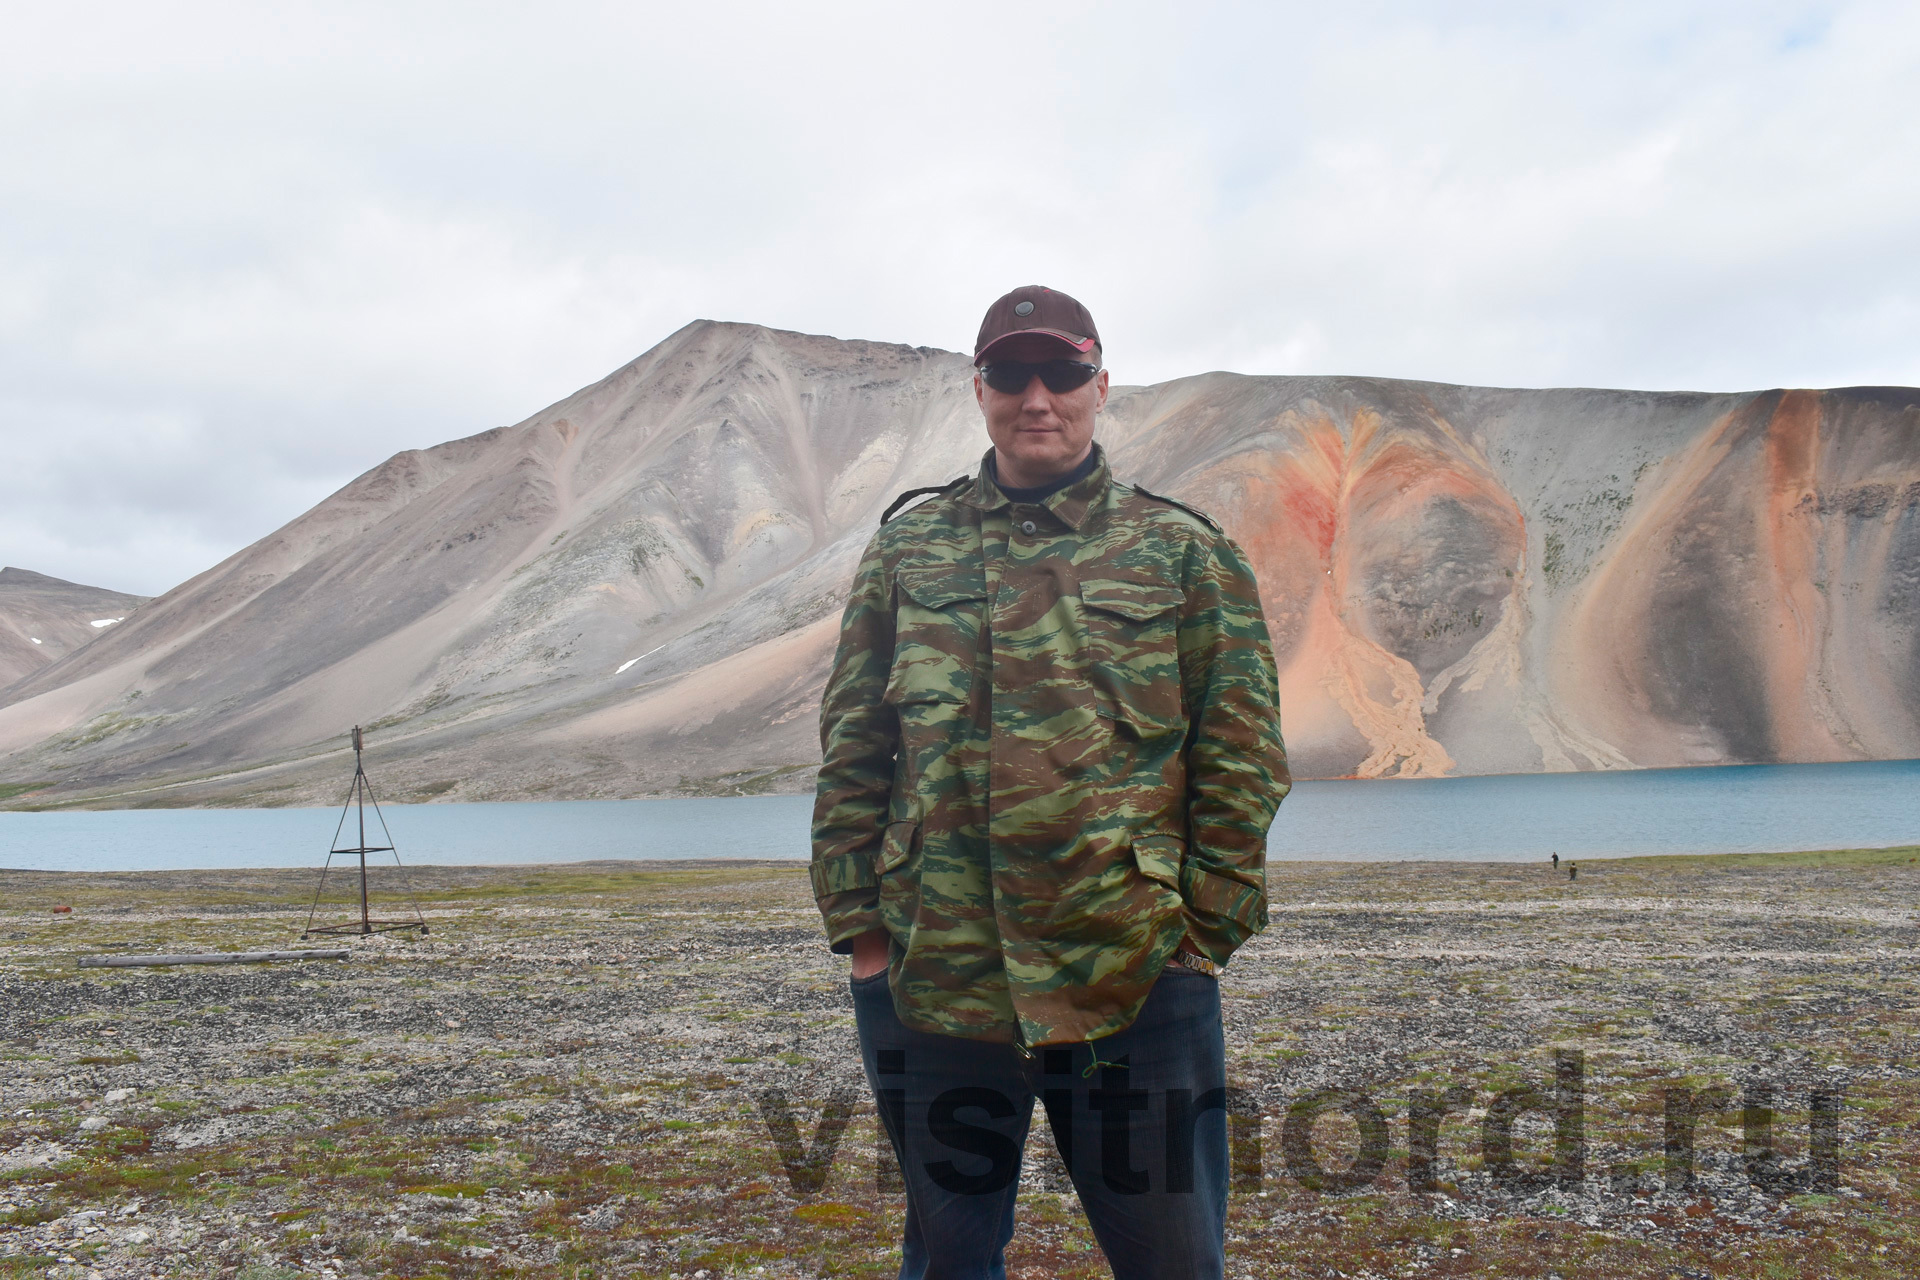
x: 1158, y: 858
x: 937, y: 586
x: 1137, y: 601
x: 897, y: 846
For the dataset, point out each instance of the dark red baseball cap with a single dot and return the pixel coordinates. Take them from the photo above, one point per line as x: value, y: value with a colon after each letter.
x: 1035, y: 310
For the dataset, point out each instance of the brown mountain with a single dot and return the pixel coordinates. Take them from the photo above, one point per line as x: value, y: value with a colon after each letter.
x: 636, y: 591
x: 44, y: 619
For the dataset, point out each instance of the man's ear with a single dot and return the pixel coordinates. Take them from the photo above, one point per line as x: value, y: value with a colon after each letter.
x: 1100, y: 379
x: 980, y: 396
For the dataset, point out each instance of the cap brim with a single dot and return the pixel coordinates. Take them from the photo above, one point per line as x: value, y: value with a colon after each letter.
x: 1072, y: 341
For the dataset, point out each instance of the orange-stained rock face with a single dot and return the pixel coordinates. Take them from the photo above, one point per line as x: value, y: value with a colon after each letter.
x: 1487, y: 581
x: 1765, y: 606
x: 634, y: 591
x: 1387, y: 549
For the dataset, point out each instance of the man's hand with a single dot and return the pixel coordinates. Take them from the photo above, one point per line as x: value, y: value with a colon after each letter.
x: 870, y: 953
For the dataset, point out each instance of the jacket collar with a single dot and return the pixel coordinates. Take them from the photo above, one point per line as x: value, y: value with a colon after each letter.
x: 1070, y: 504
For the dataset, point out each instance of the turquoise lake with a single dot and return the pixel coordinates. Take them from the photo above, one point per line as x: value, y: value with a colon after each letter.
x: 1507, y: 818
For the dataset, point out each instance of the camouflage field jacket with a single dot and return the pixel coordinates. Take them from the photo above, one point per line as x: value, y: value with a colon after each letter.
x: 1051, y: 749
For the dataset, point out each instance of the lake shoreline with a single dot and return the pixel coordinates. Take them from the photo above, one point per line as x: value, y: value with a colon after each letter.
x: 206, y: 878
x: 1498, y: 818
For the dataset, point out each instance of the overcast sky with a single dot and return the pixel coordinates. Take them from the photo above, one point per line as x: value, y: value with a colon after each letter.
x: 248, y: 251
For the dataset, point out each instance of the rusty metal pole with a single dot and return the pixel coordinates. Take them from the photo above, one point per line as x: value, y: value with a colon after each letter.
x: 360, y: 793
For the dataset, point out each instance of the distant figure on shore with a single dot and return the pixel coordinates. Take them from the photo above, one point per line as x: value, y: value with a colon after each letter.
x: 1573, y: 871
x: 1556, y: 861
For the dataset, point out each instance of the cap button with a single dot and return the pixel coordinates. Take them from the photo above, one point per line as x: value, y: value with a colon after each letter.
x: 1023, y: 308
x: 1028, y: 526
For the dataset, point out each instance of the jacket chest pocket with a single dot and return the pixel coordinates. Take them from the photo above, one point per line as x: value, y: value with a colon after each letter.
x: 1134, y: 653
x: 938, y: 615
x: 938, y: 612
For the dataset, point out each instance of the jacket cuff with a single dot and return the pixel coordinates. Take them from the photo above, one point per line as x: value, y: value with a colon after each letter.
x: 842, y: 873
x: 1223, y: 912
x: 848, y: 915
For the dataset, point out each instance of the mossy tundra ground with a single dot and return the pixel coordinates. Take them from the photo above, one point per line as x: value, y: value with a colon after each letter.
x: 622, y: 1070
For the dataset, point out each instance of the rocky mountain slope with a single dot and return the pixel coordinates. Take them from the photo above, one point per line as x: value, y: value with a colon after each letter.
x: 44, y: 619
x: 636, y: 590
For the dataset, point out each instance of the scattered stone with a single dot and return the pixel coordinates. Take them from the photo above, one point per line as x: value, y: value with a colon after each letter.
x: 602, y: 1117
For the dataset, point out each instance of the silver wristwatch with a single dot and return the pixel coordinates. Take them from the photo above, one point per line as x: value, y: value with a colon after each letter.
x: 1199, y: 964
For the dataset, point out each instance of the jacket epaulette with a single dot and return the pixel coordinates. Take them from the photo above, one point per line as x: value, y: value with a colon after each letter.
x: 1200, y: 515
x: 911, y: 494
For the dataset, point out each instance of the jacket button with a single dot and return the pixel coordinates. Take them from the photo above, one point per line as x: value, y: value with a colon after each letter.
x: 1028, y: 526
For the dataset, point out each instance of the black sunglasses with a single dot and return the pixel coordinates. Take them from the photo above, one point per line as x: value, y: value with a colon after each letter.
x: 1011, y: 377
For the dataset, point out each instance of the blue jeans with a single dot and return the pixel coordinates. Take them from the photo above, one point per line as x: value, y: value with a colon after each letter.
x: 1142, y: 1131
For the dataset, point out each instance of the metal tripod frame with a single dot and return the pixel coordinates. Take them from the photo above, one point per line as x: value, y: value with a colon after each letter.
x: 357, y: 798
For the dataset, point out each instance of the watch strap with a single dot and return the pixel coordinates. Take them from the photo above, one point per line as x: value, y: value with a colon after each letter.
x: 1199, y: 964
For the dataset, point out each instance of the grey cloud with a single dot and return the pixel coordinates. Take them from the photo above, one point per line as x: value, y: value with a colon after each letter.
x: 322, y: 234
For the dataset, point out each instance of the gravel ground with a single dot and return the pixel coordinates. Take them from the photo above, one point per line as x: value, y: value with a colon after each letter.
x: 648, y: 1069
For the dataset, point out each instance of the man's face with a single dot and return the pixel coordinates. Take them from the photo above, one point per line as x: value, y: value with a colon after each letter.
x: 1039, y: 434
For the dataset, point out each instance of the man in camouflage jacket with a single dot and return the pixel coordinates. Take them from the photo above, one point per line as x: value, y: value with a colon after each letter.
x: 1051, y: 755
